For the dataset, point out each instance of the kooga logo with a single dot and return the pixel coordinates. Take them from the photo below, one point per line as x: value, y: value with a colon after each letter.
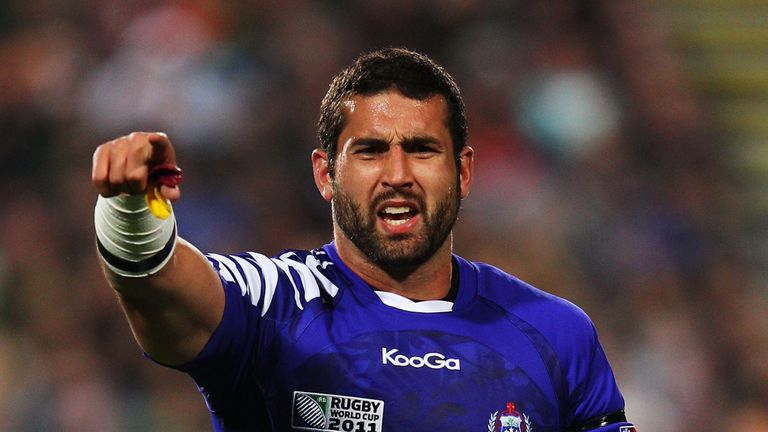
x: 431, y: 360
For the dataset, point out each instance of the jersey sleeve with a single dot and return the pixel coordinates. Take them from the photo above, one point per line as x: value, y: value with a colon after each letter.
x: 596, y: 404
x: 263, y: 296
x: 588, y: 395
x: 250, y: 284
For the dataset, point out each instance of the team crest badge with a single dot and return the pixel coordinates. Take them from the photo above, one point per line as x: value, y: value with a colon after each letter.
x: 509, y: 420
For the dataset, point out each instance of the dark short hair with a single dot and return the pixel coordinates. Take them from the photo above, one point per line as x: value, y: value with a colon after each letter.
x: 413, y: 75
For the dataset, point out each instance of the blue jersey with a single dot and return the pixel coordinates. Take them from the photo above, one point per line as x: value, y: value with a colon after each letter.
x: 305, y: 344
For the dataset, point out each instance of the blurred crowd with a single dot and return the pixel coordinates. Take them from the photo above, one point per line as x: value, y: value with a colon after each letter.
x: 597, y: 179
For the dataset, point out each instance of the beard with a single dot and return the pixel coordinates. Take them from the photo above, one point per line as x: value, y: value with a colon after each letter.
x: 400, y: 253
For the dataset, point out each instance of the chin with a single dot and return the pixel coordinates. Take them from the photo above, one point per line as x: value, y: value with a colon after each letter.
x: 403, y: 255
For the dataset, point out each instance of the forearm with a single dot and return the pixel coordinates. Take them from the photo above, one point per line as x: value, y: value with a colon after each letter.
x: 172, y: 307
x: 173, y: 312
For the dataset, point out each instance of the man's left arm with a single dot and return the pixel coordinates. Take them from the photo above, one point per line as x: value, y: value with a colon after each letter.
x: 597, y: 404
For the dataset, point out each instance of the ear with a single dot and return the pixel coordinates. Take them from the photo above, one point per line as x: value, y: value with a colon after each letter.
x: 466, y: 166
x: 322, y: 173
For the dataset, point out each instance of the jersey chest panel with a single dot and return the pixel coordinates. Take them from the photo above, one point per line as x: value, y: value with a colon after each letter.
x: 447, y: 371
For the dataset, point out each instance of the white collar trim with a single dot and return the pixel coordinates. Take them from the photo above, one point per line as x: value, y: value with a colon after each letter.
x: 426, y: 306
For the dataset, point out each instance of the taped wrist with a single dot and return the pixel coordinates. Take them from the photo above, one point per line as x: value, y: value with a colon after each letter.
x: 131, y: 241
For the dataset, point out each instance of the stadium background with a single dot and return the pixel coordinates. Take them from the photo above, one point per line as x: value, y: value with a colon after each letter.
x: 621, y: 163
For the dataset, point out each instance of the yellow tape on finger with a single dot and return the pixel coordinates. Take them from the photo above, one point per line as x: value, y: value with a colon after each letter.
x: 158, y: 205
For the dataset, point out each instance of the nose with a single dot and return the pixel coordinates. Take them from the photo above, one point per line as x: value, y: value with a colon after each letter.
x: 398, y: 172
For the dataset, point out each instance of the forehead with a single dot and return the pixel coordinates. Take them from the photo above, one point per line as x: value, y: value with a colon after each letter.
x: 390, y: 112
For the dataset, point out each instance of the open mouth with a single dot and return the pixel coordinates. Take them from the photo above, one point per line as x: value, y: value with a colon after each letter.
x: 396, y: 215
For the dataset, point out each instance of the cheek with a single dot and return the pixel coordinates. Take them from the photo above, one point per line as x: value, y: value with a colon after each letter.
x: 440, y: 180
x: 354, y: 187
x: 356, y: 176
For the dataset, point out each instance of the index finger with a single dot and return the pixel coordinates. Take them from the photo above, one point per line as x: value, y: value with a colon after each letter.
x: 163, y: 152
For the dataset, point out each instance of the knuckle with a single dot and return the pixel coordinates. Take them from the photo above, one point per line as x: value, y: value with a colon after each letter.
x: 112, y: 146
x: 98, y: 177
x: 137, y: 136
x: 136, y: 176
x: 101, y: 149
x: 139, y: 145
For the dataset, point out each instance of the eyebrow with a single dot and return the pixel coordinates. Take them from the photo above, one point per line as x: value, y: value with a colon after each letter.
x: 408, y: 142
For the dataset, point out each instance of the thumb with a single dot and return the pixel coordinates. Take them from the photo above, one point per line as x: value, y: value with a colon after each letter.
x: 172, y: 193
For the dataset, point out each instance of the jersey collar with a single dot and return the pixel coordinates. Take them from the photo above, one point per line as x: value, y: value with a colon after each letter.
x: 466, y: 290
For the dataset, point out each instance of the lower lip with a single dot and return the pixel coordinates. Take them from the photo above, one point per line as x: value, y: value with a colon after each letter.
x: 402, y: 228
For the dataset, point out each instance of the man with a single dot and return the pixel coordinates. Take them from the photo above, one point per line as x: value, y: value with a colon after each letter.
x: 382, y: 329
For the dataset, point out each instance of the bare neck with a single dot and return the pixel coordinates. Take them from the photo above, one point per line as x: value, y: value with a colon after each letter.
x: 429, y: 281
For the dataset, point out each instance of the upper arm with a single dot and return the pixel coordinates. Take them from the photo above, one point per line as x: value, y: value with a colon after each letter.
x: 593, y: 391
x: 174, y: 312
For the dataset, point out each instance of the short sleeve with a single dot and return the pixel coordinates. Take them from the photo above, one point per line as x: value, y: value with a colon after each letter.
x: 231, y: 348
x: 263, y: 295
x: 596, y: 404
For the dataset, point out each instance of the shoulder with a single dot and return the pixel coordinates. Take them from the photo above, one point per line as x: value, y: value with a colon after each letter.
x: 567, y: 328
x: 281, y: 285
x: 525, y: 300
x: 563, y: 333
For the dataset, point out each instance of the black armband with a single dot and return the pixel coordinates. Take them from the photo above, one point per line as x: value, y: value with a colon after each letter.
x: 615, y: 417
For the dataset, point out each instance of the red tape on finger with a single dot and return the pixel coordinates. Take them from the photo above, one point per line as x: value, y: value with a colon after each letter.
x: 167, y: 175
x: 162, y: 175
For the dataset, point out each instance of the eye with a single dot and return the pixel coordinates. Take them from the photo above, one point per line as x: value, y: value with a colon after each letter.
x: 368, y: 149
x: 423, y: 147
x: 426, y: 148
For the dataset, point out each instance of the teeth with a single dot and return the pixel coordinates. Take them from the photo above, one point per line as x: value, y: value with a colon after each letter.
x: 397, y: 222
x: 396, y: 210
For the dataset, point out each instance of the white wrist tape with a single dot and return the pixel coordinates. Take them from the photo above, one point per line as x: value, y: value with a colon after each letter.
x: 131, y: 241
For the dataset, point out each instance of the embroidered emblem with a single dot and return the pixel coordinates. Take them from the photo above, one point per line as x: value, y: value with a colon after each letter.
x: 509, y: 420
